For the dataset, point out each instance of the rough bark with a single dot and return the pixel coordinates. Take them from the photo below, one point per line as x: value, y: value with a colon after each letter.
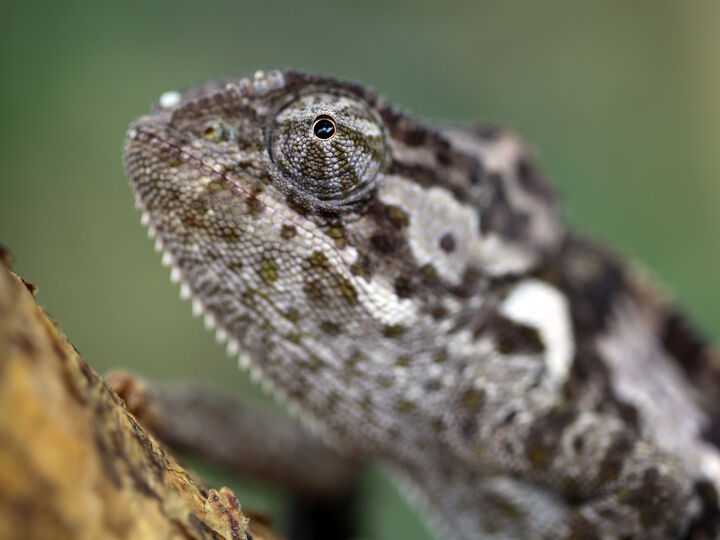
x: 74, y: 463
x: 237, y: 434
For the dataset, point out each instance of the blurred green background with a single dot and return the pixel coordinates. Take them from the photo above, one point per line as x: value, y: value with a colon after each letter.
x: 620, y: 99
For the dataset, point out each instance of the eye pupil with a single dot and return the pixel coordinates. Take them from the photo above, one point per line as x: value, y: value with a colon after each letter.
x: 324, y: 127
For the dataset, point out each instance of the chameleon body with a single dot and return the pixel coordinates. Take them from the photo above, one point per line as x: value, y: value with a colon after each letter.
x: 414, y: 292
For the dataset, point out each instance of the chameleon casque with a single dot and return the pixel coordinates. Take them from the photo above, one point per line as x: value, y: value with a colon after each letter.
x: 413, y: 291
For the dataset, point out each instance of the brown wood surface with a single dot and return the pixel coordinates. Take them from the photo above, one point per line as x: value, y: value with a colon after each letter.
x: 74, y: 463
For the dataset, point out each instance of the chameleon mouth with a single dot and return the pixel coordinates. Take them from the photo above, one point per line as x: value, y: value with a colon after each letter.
x: 142, y: 138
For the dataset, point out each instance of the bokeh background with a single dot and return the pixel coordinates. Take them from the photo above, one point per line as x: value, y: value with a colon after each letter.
x: 620, y: 99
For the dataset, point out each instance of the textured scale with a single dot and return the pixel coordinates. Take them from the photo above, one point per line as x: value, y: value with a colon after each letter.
x: 413, y: 290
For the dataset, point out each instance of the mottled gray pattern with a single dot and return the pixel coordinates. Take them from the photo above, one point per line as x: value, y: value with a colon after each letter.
x: 414, y: 293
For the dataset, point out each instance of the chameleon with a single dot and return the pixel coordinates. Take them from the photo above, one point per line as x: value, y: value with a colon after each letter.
x: 413, y: 290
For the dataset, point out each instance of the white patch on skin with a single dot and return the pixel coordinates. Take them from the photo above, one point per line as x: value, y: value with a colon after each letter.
x: 434, y: 212
x: 413, y: 154
x: 644, y: 376
x: 710, y: 464
x: 498, y: 155
x: 169, y: 99
x: 501, y: 156
x: 502, y: 257
x: 380, y: 300
x: 537, y: 304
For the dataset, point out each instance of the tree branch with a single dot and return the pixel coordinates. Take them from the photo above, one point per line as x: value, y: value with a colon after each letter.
x: 74, y: 463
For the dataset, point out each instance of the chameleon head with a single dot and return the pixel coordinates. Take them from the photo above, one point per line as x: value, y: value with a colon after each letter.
x: 338, y: 242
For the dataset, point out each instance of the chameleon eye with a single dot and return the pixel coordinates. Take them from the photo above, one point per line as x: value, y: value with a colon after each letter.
x: 328, y: 151
x: 324, y: 127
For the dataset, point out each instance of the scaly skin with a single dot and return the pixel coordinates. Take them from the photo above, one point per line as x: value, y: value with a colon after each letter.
x: 414, y: 292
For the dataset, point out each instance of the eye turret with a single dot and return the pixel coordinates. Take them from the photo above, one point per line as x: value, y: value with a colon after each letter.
x: 328, y: 150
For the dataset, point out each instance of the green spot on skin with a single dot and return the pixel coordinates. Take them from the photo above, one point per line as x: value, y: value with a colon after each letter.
x: 337, y: 233
x: 508, y: 509
x: 215, y: 186
x: 357, y: 269
x: 268, y: 270
x: 230, y: 234
x: 538, y: 457
x: 348, y: 290
x: 404, y: 406
x: 199, y: 205
x: 394, y: 330
x: 398, y: 216
x: 481, y: 451
x: 225, y: 195
x: 429, y: 274
x: 438, y: 312
x: 192, y: 220
x: 314, y: 290
x: 403, y: 361
x: 331, y: 328
x: 254, y: 206
x: 473, y: 398
x: 318, y: 259
x: 440, y: 356
x: 292, y: 315
x: 287, y: 232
